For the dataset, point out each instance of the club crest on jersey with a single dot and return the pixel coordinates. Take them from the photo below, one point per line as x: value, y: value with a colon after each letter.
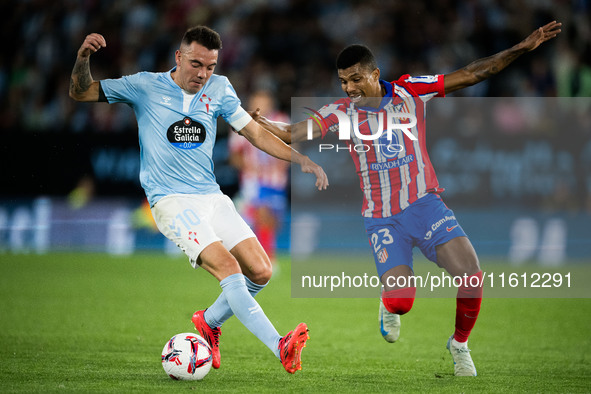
x: 186, y: 134
x: 205, y: 100
x: 383, y: 255
x: 396, y: 146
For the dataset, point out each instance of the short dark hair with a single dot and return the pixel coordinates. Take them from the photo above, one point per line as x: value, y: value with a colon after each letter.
x: 354, y: 54
x: 203, y: 35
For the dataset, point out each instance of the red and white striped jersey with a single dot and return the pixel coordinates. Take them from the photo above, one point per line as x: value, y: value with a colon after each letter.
x: 259, y: 168
x: 393, y: 173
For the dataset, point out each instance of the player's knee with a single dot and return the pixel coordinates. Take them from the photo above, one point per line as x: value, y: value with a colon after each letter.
x: 260, y: 272
x: 399, y: 301
x: 263, y: 277
x: 473, y: 267
x: 465, y: 267
x: 227, y: 266
x: 400, y: 306
x: 458, y: 257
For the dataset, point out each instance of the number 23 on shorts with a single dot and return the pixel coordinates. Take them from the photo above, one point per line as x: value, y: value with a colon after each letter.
x: 381, y: 237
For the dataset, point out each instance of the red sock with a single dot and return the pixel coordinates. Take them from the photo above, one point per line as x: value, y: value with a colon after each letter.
x: 399, y: 301
x: 468, y: 303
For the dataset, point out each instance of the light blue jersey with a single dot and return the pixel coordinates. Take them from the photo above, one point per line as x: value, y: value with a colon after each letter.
x: 177, y: 130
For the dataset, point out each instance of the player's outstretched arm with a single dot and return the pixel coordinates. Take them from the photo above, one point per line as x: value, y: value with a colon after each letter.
x: 279, y: 129
x: 271, y: 144
x: 482, y: 69
x: 286, y: 132
x: 82, y: 86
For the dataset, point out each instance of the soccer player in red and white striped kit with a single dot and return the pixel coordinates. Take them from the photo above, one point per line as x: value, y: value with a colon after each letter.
x: 401, y: 205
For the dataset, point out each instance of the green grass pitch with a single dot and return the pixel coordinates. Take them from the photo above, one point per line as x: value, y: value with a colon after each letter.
x: 97, y: 323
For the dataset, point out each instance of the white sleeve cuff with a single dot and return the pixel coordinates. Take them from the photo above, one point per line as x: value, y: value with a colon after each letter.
x: 239, y: 119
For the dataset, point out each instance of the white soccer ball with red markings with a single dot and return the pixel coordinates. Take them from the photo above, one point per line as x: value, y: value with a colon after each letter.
x: 186, y: 356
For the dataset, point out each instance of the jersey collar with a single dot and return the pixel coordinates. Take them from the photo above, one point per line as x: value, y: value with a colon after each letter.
x: 169, y: 77
x: 385, y: 100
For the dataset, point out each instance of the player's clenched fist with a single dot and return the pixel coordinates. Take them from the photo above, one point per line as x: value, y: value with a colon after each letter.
x: 92, y: 43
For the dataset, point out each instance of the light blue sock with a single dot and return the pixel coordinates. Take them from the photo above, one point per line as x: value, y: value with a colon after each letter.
x: 220, y: 311
x: 249, y: 312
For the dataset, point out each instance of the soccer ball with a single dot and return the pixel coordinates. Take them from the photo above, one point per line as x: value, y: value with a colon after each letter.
x: 186, y: 356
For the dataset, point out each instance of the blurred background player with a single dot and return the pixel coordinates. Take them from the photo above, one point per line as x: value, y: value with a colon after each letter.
x: 401, y: 203
x: 262, y: 198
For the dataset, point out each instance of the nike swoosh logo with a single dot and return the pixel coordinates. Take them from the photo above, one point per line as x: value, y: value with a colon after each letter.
x: 451, y: 228
x: 384, y: 332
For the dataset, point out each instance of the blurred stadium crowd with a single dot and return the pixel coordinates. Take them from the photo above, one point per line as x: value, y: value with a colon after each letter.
x: 531, y: 154
x: 283, y: 46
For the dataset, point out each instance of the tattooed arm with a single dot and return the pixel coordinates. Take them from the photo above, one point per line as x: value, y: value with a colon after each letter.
x: 82, y: 86
x: 484, y: 68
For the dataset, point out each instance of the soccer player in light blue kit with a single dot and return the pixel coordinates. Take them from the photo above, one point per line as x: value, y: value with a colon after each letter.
x: 176, y: 113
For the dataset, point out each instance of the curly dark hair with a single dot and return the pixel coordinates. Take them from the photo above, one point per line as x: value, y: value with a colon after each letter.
x: 354, y: 54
